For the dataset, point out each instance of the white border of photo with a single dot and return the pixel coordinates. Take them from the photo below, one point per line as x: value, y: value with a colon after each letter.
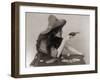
x: 53, y: 69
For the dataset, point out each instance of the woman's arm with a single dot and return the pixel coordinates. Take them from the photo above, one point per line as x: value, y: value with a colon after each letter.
x: 62, y: 45
x: 71, y: 35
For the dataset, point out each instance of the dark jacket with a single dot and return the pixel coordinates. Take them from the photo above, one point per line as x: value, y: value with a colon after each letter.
x: 43, y: 46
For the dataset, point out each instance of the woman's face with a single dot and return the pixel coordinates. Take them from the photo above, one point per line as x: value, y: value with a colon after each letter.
x: 59, y: 33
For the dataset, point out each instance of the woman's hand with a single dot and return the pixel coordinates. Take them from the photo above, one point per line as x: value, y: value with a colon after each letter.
x: 54, y: 52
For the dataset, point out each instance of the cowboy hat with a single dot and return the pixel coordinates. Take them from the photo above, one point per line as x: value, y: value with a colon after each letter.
x: 53, y: 23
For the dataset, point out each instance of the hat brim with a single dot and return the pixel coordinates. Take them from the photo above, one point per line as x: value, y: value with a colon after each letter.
x: 58, y: 24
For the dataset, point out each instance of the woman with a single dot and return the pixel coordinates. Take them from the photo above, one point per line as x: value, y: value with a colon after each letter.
x: 50, y: 44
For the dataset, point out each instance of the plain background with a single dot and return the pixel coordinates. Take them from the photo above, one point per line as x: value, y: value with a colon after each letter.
x: 38, y: 22
x: 5, y: 40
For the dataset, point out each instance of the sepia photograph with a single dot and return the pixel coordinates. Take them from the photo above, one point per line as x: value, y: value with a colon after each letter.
x: 57, y: 39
